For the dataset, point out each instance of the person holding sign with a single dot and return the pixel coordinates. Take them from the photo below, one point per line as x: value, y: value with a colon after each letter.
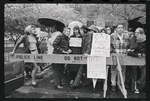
x: 86, y: 50
x: 119, y: 41
x: 30, y: 42
x: 75, y: 45
x: 61, y: 46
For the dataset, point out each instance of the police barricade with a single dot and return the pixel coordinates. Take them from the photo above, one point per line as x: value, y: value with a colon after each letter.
x: 114, y: 59
x: 13, y: 76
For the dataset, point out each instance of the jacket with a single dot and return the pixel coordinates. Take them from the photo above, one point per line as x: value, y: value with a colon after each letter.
x: 61, y: 43
x: 87, y: 43
x: 138, y: 47
x: 116, y: 45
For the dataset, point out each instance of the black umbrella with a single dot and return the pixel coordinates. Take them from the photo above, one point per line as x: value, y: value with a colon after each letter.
x: 134, y: 23
x: 51, y: 22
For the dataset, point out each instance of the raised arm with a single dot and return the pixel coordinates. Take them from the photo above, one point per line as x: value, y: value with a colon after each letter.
x: 20, y: 40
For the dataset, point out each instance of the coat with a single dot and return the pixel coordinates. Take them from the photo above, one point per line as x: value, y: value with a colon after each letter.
x: 75, y: 50
x: 87, y: 43
x: 138, y: 47
x: 61, y: 43
x: 116, y: 45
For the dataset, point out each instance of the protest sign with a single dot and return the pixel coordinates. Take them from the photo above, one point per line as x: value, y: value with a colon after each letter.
x: 100, y: 45
x: 75, y: 42
x: 96, y: 67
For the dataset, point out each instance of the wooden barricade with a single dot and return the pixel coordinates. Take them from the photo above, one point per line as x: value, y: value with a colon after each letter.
x: 114, y: 59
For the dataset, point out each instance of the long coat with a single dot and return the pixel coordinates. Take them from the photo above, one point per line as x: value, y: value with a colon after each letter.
x: 87, y: 43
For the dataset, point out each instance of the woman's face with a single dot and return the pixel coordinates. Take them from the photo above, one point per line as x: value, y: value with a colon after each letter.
x: 76, y: 31
x: 137, y: 32
x: 67, y: 32
x: 33, y: 31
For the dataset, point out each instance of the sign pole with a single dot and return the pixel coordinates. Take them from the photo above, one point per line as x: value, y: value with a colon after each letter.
x: 105, y: 82
x: 94, y: 83
x: 121, y: 87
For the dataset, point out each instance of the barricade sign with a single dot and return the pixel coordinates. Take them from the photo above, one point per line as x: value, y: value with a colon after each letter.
x: 73, y: 59
x: 96, y: 67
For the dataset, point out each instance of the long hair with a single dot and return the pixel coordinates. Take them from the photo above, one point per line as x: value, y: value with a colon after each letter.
x: 27, y: 30
x: 78, y: 28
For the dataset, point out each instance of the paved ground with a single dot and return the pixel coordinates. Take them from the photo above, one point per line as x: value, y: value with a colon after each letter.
x: 46, y: 90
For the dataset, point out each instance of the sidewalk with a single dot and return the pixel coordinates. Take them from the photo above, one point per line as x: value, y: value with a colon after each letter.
x: 46, y: 90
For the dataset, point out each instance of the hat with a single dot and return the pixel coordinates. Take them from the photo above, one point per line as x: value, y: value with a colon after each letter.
x: 84, y: 27
x: 94, y: 28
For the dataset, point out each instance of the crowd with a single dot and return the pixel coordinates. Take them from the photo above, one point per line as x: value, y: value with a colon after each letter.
x: 122, y: 42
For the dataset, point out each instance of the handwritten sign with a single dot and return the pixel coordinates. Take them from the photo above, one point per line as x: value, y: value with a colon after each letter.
x: 96, y: 67
x: 75, y: 42
x: 100, y: 45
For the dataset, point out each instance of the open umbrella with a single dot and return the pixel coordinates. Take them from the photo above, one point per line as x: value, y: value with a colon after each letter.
x: 74, y: 23
x: 51, y: 22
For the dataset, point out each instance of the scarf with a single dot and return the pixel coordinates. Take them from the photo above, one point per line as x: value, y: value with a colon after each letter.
x: 141, y: 38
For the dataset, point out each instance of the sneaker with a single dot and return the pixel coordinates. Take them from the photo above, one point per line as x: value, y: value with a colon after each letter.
x: 71, y: 82
x: 58, y: 87
x: 136, y: 91
x: 113, y: 88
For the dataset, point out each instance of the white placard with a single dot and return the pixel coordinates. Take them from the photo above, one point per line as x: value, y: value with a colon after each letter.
x: 100, y: 45
x: 75, y: 42
x: 96, y: 67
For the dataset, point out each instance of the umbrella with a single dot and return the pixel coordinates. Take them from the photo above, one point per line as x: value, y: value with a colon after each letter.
x: 74, y: 23
x: 51, y: 22
x: 134, y: 23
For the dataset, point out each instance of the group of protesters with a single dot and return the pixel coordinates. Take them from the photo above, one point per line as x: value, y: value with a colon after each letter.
x: 122, y: 42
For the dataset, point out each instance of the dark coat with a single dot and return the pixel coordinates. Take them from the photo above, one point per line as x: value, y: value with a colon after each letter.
x: 75, y: 50
x: 138, y: 47
x: 87, y: 43
x: 60, y: 44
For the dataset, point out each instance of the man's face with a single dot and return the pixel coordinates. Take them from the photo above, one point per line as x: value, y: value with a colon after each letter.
x: 81, y: 31
x: 120, y: 28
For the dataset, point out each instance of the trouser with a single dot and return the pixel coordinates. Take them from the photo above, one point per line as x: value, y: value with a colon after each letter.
x: 81, y: 70
x: 142, y: 81
x: 58, y: 73
x: 114, y: 73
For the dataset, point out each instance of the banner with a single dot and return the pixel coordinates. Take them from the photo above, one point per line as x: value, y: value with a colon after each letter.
x: 100, y: 45
x: 96, y: 67
x: 75, y: 42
